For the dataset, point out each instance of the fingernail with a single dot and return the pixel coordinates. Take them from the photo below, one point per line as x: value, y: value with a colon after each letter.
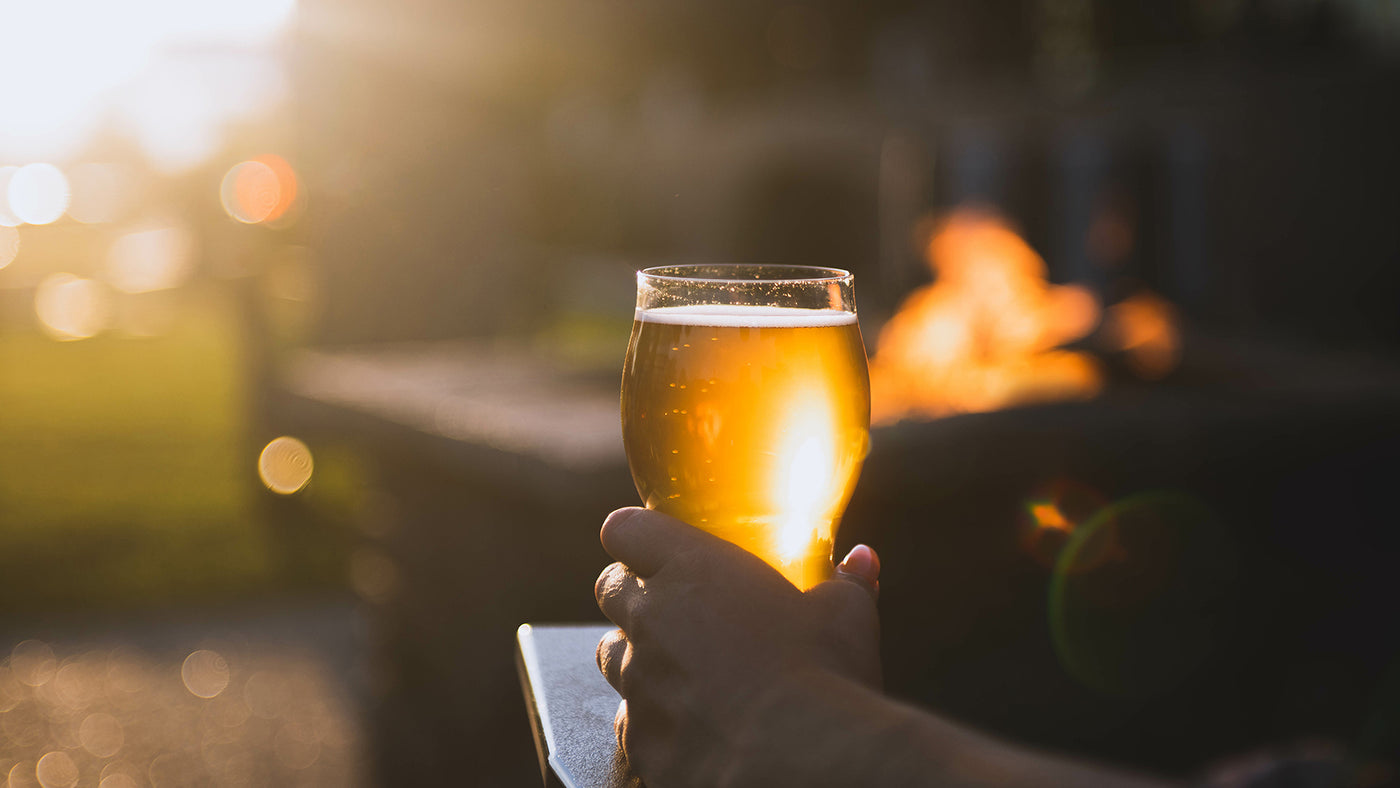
x: 620, y: 515
x: 861, y: 562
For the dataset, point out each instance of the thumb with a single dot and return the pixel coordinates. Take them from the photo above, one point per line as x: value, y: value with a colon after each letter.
x: 862, y: 567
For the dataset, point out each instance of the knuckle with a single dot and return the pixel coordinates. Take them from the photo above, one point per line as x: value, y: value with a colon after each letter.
x: 609, y: 581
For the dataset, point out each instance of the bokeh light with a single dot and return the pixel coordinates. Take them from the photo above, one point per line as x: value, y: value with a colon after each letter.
x: 71, y: 307
x: 259, y: 190
x: 118, y: 780
x: 285, y: 465
x: 9, y: 245
x: 38, y: 193
x: 21, y: 775
x: 154, y: 259
x: 56, y: 770
x: 101, y: 734
x: 7, y: 216
x: 205, y: 673
x: 32, y: 662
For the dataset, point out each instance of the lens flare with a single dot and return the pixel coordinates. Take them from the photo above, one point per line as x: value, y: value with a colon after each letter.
x: 70, y: 307
x: 1054, y: 513
x: 1139, y: 623
x: 285, y: 465
x: 38, y: 193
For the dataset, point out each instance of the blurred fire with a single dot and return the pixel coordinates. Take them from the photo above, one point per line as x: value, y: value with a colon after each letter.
x: 987, y: 333
x: 1144, y: 328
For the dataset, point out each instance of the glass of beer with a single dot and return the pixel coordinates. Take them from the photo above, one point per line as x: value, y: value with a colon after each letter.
x: 746, y: 405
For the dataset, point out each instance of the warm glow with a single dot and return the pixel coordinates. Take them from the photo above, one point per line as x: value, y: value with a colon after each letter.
x: 1144, y: 328
x: 985, y: 335
x: 285, y: 465
x: 71, y: 307
x: 38, y: 193
x: 9, y: 245
x: 808, y: 486
x: 154, y: 259
x: 260, y: 190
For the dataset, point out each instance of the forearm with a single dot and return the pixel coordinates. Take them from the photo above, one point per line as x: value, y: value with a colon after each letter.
x: 848, y: 735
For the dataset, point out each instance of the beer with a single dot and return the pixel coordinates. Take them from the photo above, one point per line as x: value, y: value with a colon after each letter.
x: 750, y: 422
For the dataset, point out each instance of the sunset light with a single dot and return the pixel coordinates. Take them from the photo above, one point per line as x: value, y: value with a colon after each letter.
x: 67, y: 65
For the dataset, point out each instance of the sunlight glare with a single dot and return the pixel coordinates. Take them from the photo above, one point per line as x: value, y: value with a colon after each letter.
x: 807, y: 487
x: 65, y: 63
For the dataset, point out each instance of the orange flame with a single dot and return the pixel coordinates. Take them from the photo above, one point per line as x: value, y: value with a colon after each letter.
x: 1144, y: 328
x: 986, y: 334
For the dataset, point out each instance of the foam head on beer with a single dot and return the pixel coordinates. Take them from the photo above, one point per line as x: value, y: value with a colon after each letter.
x: 751, y: 422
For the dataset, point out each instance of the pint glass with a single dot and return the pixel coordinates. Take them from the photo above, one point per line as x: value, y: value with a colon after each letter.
x: 746, y: 405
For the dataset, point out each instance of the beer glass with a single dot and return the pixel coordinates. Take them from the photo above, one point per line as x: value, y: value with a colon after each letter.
x: 746, y: 405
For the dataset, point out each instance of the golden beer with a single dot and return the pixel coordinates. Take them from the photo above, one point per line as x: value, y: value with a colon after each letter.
x: 750, y: 422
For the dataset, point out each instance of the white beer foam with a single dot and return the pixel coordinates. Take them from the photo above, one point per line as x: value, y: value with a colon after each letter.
x: 744, y: 316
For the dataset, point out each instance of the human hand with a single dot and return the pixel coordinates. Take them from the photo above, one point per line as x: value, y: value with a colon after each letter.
x: 717, y: 652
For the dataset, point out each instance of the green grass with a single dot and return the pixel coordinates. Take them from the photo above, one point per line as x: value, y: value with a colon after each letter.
x: 126, y: 474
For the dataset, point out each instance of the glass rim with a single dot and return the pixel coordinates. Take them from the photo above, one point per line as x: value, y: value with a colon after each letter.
x: 676, y: 273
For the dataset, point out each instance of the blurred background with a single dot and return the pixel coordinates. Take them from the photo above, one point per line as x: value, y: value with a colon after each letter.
x: 312, y: 315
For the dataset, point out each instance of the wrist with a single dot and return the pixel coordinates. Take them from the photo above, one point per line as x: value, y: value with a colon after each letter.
x: 813, y: 728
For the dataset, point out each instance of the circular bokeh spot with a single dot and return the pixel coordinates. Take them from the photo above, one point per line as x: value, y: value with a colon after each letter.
x: 285, y: 465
